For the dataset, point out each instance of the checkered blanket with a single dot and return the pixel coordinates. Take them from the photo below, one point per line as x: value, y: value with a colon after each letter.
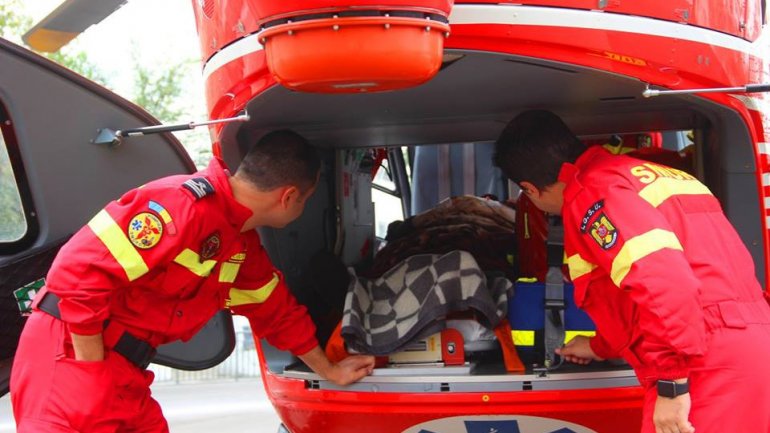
x: 411, y: 300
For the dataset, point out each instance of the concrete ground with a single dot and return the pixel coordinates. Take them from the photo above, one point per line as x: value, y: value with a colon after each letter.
x: 203, y: 407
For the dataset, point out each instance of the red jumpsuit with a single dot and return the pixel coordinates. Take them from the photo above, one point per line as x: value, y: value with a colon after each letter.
x: 670, y: 286
x: 158, y: 263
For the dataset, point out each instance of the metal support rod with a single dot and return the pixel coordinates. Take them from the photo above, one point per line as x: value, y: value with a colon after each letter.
x: 749, y: 88
x: 180, y: 127
x: 114, y: 138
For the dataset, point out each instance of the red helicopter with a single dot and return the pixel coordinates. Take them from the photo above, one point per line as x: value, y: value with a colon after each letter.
x: 376, y: 84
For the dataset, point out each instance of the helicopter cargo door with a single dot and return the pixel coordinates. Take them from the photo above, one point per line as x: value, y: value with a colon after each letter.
x: 53, y: 179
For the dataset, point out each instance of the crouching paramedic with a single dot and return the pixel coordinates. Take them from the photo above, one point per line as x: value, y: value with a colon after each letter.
x: 662, y: 273
x: 153, y: 267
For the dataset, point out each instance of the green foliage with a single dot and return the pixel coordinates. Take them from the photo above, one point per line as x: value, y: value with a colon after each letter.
x: 157, y: 91
x: 12, y: 223
x: 156, y: 88
x: 12, y: 24
x: 79, y: 63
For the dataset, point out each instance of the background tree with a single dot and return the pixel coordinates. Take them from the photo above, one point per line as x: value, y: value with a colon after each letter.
x: 14, y: 24
x: 156, y: 88
x: 12, y: 222
x: 10, y: 18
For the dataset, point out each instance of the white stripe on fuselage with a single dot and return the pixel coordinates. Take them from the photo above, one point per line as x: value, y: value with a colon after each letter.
x: 518, y: 15
x: 597, y: 20
x: 236, y: 50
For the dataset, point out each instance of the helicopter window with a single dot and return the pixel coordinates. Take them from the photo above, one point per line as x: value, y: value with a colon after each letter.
x: 384, y: 179
x: 13, y: 224
x: 387, y: 203
x: 18, y: 221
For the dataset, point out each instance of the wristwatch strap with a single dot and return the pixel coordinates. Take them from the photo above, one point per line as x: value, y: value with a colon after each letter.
x: 671, y: 389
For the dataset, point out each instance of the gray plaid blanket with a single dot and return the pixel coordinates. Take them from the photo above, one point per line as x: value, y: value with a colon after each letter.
x: 411, y: 300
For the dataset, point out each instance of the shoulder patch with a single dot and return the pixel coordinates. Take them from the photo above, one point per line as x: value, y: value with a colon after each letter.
x: 604, y: 232
x: 199, y: 186
x: 210, y: 246
x: 164, y: 215
x: 590, y: 213
x: 144, y: 230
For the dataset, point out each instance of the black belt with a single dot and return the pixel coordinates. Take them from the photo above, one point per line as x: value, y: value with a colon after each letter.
x: 138, y: 352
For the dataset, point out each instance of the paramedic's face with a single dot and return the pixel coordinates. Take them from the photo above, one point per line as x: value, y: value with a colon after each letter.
x: 549, y: 199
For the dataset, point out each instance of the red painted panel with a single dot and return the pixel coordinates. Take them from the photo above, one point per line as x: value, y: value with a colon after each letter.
x: 672, y: 63
x: 230, y: 20
x: 232, y: 86
x: 220, y: 22
x: 271, y: 9
x: 304, y: 410
x: 740, y: 18
x: 668, y: 62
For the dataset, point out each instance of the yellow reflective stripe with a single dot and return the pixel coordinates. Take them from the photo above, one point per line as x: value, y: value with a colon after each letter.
x: 664, y: 188
x: 527, y: 338
x: 116, y: 241
x: 258, y: 296
x: 523, y: 338
x: 579, y: 266
x: 639, y: 247
x: 618, y: 150
x: 192, y: 261
x: 569, y: 335
x: 228, y: 271
x: 527, y: 280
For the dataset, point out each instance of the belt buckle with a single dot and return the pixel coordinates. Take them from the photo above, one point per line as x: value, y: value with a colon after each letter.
x: 555, y: 304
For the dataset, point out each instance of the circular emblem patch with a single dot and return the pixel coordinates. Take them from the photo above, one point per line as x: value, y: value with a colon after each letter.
x: 145, y: 230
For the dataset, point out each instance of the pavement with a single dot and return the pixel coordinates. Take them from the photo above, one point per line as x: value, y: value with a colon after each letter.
x: 222, y: 406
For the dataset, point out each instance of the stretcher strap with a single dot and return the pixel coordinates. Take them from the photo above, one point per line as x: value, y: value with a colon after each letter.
x: 511, y: 358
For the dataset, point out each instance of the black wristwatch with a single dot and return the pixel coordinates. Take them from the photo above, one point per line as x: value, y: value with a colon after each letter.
x: 671, y: 389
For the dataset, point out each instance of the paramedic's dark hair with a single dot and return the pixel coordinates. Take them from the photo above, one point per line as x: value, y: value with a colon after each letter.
x: 534, y: 145
x: 280, y: 158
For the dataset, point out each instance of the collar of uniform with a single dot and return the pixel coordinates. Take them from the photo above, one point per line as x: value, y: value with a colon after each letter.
x: 569, y: 172
x: 236, y: 213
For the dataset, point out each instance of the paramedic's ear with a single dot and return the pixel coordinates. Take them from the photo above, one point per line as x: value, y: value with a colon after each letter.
x: 289, y: 194
x: 529, y: 189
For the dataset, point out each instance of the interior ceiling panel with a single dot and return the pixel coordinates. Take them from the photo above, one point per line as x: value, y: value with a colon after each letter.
x: 470, y: 100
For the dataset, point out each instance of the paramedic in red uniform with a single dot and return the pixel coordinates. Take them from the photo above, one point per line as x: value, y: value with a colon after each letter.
x: 662, y: 273
x: 153, y: 267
